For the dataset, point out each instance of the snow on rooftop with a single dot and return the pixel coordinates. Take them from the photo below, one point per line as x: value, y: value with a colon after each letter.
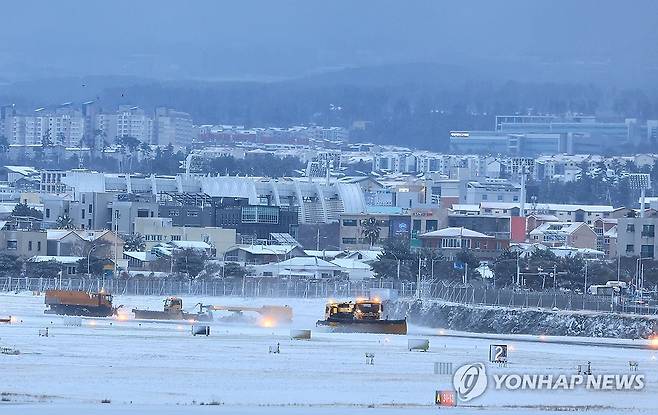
x: 267, y: 249
x: 60, y: 259
x: 350, y: 263
x: 190, y: 245
x: 454, y: 232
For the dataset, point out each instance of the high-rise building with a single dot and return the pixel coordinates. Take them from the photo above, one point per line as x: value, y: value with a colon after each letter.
x: 64, y: 126
x: 128, y: 121
x: 173, y: 127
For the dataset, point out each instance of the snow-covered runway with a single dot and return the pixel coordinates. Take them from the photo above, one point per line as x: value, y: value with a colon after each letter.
x: 159, y: 367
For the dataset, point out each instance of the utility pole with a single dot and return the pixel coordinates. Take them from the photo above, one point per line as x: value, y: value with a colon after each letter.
x: 585, y: 290
x: 116, y: 236
x: 518, y: 270
x: 465, y: 273
x: 418, y: 281
x: 317, y: 240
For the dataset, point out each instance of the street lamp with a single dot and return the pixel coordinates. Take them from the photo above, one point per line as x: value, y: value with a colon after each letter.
x: 224, y: 259
x: 89, y: 258
x: 639, y: 272
x: 398, y: 259
x: 324, y: 250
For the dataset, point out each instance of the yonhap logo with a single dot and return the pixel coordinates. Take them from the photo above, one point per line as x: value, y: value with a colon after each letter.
x: 470, y: 381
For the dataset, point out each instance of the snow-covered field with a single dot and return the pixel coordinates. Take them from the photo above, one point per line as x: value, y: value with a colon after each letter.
x: 160, y: 368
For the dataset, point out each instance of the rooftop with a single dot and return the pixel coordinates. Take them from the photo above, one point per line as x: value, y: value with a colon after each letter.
x: 460, y: 232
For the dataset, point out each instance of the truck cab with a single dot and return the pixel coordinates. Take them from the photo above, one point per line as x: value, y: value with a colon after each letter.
x: 173, y: 305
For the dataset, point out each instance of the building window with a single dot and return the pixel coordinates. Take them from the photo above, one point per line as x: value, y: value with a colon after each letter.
x: 175, y: 237
x: 90, y: 209
x: 83, y: 213
x: 38, y: 245
x: 349, y: 240
x: 174, y: 212
x: 630, y: 248
x: 12, y: 245
x: 646, y: 251
x: 142, y: 213
x: 47, y: 213
x: 349, y: 222
x: 450, y: 243
x: 192, y: 213
x: 500, y: 198
x: 630, y: 228
x: 648, y: 231
x: 29, y: 245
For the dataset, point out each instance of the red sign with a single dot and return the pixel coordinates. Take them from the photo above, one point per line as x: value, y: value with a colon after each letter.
x: 445, y: 398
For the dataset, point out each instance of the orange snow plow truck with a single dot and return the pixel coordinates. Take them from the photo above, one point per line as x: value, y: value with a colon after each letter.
x: 79, y: 303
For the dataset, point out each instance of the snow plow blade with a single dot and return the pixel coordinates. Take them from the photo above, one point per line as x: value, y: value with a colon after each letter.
x: 366, y: 326
x: 165, y: 315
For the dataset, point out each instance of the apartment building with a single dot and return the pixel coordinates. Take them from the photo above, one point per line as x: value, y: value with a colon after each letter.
x: 636, y: 237
x: 173, y: 127
x: 127, y: 121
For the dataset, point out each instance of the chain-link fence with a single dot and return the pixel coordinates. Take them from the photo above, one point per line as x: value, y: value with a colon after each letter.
x: 272, y: 287
x: 243, y: 287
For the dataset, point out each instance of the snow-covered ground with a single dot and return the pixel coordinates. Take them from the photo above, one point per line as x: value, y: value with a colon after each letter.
x: 160, y: 368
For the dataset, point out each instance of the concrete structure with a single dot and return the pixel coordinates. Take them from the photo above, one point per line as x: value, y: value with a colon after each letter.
x: 161, y: 230
x: 92, y: 210
x: 23, y: 243
x: 125, y: 211
x: 63, y: 126
x: 492, y: 190
x: 636, y: 237
x: 173, y: 127
x: 128, y: 121
x: 390, y: 226
x: 316, y: 201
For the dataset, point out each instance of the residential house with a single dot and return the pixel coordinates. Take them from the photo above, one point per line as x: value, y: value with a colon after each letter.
x: 451, y: 241
x: 573, y: 234
x: 302, y: 267
x: 262, y: 254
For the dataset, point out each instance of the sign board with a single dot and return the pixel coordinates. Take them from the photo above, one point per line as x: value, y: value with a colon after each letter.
x: 498, y: 353
x: 445, y: 398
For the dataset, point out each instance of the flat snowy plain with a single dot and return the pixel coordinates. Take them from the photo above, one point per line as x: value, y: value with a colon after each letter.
x: 160, y: 368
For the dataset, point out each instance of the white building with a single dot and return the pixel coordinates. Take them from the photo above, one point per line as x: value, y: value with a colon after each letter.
x: 65, y: 129
x: 173, y: 127
x: 126, y: 122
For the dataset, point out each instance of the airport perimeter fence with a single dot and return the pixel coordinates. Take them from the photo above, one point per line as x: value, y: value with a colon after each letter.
x: 269, y: 287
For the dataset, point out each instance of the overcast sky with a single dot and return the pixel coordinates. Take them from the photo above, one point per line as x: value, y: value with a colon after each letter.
x: 212, y: 39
